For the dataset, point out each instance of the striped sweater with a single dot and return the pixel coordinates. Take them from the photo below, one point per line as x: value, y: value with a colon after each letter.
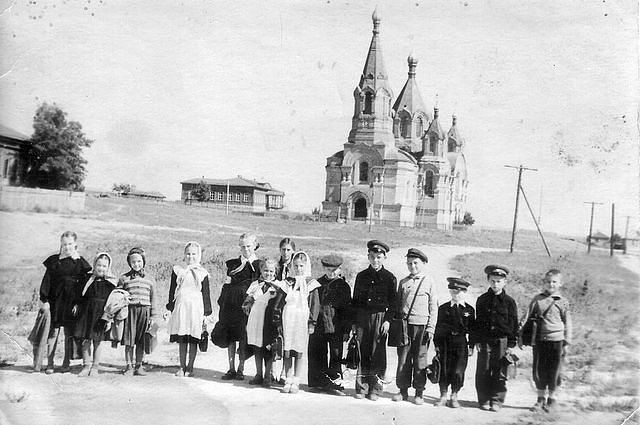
x: 141, y: 289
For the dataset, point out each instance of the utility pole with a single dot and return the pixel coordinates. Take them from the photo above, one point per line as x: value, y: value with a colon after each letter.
x: 626, y: 232
x: 520, y: 168
x: 591, y: 224
x: 613, y: 220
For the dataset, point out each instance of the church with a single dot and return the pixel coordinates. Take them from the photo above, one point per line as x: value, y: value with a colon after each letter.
x: 398, y: 166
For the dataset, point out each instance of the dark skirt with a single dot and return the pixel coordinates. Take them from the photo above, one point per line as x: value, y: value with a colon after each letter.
x: 136, y: 324
x: 231, y: 314
x: 87, y: 325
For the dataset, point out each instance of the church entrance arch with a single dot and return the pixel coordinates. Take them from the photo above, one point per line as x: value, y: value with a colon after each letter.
x: 360, y: 209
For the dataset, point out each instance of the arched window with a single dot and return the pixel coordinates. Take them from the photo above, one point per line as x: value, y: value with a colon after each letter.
x: 368, y: 103
x: 433, y: 145
x: 419, y: 127
x: 428, y: 183
x: 405, y: 126
x: 452, y: 145
x: 364, y: 172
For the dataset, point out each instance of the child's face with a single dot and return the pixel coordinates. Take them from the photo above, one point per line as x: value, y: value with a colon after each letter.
x: 497, y: 283
x: 67, y: 245
x: 286, y: 251
x: 376, y: 259
x: 299, y: 266
x: 191, y: 255
x: 331, y: 272
x: 136, y: 261
x: 102, y: 265
x: 457, y: 295
x: 552, y: 283
x: 415, y: 265
x: 247, y: 247
x: 268, y: 272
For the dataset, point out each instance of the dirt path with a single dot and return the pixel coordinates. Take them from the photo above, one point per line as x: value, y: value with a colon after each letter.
x: 161, y: 398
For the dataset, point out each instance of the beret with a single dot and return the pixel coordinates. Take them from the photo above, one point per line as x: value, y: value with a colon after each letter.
x: 331, y: 260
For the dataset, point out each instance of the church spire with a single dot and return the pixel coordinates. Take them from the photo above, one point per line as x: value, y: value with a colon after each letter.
x: 374, y: 73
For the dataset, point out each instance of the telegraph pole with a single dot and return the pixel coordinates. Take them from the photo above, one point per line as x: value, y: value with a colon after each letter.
x: 520, y: 168
x: 591, y: 224
x: 613, y: 220
x: 626, y: 232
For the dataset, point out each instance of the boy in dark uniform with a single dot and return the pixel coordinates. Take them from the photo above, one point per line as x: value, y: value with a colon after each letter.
x: 494, y: 334
x: 416, y: 303
x: 455, y: 320
x: 373, y: 303
x: 332, y: 325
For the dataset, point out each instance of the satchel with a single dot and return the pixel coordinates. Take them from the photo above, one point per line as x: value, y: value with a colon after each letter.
x: 204, y: 339
x: 433, y: 370
x: 352, y: 359
x: 399, y: 328
x: 277, y: 348
x: 529, y: 331
x: 220, y: 335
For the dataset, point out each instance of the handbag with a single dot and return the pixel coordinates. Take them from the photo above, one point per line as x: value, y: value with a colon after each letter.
x: 399, y: 327
x: 220, y: 335
x: 204, y: 339
x: 433, y: 370
x: 352, y: 359
x: 529, y: 331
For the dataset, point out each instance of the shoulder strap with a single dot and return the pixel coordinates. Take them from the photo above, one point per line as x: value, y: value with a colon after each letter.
x: 553, y: 302
x: 415, y: 295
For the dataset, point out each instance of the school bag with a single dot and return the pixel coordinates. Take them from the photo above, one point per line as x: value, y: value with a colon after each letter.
x: 352, y: 359
x: 529, y: 331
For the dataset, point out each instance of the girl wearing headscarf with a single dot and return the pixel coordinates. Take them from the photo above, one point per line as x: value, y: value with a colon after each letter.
x: 141, y: 287
x: 65, y: 272
x: 299, y: 317
x: 189, y: 302
x: 90, y: 307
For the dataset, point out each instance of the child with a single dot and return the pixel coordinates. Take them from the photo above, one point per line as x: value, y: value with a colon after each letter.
x: 261, y: 329
x: 189, y: 302
x: 494, y: 334
x: 332, y: 328
x: 374, y: 296
x: 299, y: 317
x: 416, y: 303
x: 90, y: 308
x: 552, y: 338
x: 142, y: 309
x: 287, y: 248
x: 65, y: 274
x: 240, y: 273
x: 455, y: 319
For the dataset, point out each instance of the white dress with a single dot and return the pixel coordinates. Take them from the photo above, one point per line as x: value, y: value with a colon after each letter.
x: 295, y: 315
x: 188, y: 313
x: 255, y: 322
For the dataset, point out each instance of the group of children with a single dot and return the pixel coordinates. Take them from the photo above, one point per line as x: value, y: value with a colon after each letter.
x: 273, y: 309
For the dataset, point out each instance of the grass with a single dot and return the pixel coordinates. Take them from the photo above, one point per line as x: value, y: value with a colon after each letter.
x: 604, y: 296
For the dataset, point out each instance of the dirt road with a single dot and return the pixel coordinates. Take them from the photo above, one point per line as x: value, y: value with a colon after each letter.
x: 161, y: 398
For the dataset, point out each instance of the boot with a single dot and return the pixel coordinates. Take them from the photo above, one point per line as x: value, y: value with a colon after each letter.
x: 401, y: 396
x: 418, y: 400
x: 454, y: 401
x: 442, y: 401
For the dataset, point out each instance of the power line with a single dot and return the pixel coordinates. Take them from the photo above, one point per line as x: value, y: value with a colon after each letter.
x: 520, y: 168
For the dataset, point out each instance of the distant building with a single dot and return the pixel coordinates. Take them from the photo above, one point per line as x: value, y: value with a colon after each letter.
x: 398, y: 164
x: 240, y: 193
x: 153, y: 196
x: 599, y: 239
x: 13, y: 147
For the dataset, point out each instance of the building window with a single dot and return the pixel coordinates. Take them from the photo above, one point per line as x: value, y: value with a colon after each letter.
x: 433, y: 145
x: 428, y: 183
x: 452, y: 145
x: 237, y: 196
x: 405, y: 126
x: 419, y: 127
x: 245, y: 197
x: 368, y: 103
x: 229, y: 197
x: 5, y: 171
x: 212, y: 196
x: 219, y: 196
x: 364, y: 172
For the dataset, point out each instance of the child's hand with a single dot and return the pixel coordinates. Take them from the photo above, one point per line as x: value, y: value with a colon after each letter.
x: 74, y: 310
x: 166, y: 315
x: 46, y: 305
x: 565, y: 350
x: 312, y: 328
x: 471, y: 351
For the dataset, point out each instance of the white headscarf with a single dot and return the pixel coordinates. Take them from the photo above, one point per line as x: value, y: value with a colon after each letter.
x: 109, y: 277
x: 192, y: 270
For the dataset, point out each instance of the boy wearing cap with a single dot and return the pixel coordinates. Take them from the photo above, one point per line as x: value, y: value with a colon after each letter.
x: 373, y: 301
x: 417, y: 304
x: 494, y: 334
x: 332, y: 325
x: 455, y: 320
x: 552, y: 339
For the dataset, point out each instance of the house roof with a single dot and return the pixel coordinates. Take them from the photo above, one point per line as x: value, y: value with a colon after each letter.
x: 10, y: 133
x: 146, y: 194
x: 409, y: 98
x: 236, y: 182
x: 599, y: 235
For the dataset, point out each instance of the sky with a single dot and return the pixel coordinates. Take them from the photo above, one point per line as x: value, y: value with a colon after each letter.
x: 174, y: 90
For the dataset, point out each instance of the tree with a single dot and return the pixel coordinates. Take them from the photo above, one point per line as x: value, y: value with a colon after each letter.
x: 122, y: 188
x: 468, y: 220
x: 54, y: 158
x: 201, y: 192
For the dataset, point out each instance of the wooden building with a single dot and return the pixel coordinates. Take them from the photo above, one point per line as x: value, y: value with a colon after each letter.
x: 237, y: 193
x: 12, y: 156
